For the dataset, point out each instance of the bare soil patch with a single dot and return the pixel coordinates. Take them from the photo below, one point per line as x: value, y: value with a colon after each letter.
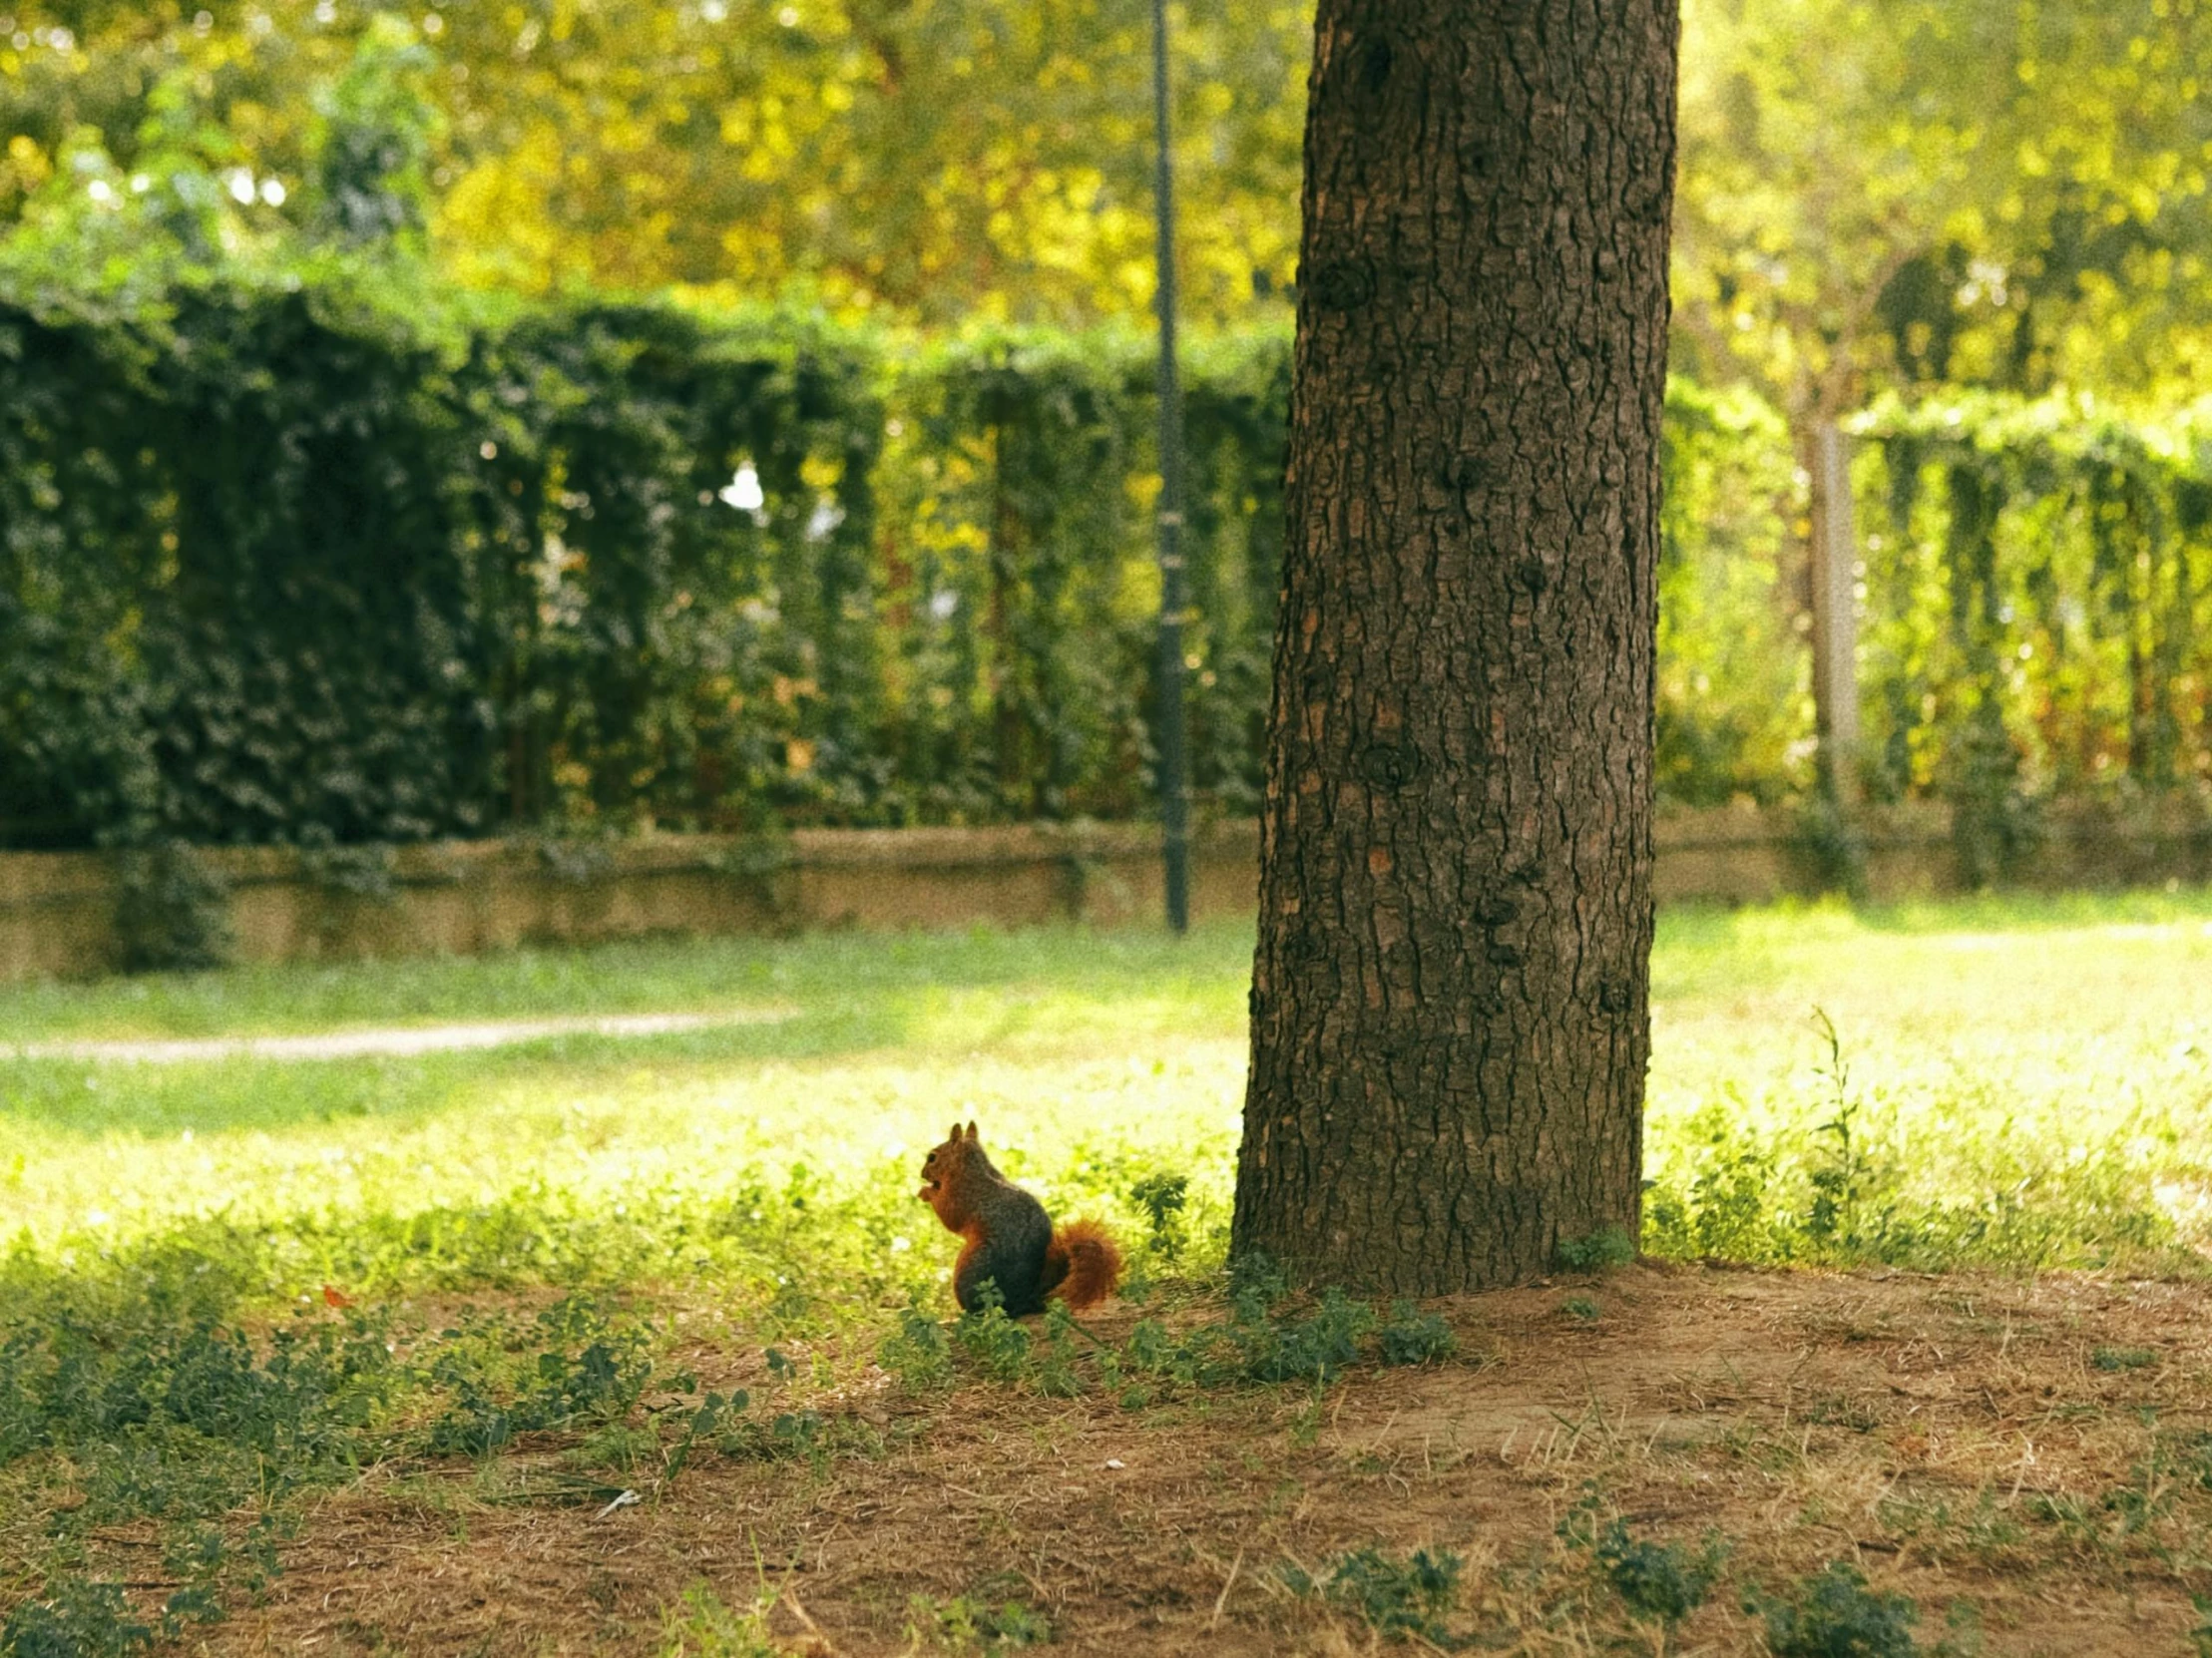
x: 2027, y: 1459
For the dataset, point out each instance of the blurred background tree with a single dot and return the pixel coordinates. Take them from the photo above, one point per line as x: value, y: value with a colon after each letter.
x: 1900, y: 193
x: 1874, y: 194
x: 934, y: 161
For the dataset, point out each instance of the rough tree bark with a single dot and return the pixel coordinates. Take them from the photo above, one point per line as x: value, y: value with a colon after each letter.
x: 1450, y: 997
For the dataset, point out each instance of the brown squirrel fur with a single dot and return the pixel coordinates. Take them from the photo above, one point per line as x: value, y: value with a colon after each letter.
x: 1011, y: 1242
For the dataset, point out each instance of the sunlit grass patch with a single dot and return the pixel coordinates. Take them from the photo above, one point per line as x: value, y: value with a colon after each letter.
x: 2025, y: 1087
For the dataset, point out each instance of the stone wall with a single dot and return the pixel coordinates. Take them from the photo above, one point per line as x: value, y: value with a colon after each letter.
x: 57, y: 910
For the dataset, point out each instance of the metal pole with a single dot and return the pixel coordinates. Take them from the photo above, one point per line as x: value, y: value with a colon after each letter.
x: 1175, y: 761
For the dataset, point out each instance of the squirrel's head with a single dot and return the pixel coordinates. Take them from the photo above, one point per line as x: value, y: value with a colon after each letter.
x: 945, y: 1162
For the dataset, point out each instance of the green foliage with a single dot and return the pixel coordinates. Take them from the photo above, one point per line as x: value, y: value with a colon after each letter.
x: 76, y: 1617
x: 1914, y: 190
x: 172, y: 909
x: 993, y: 1342
x: 580, y: 1368
x: 1270, y: 1338
x: 1162, y: 1198
x: 701, y: 1625
x: 1830, y: 845
x: 2038, y: 608
x: 1316, y: 1348
x: 1833, y: 1614
x: 1836, y: 1185
x: 589, y: 565
x: 1608, y: 1247
x: 1920, y: 189
x: 1411, y: 1337
x: 981, y: 159
x: 1057, y: 1376
x: 1274, y: 1338
x: 917, y: 1351
x: 1397, y: 1596
x: 367, y: 874
x: 287, y: 629
x: 1734, y: 691
x: 969, y: 1623
x: 164, y: 1412
x: 943, y: 616
x: 2123, y: 1357
x: 654, y: 567
x: 83, y: 1368
x: 1657, y: 1580
x: 370, y: 145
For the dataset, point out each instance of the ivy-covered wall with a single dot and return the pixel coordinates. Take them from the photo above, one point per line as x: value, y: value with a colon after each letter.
x: 312, y: 564
x: 2039, y: 602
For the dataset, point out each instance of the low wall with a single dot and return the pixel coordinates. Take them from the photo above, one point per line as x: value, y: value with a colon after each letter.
x: 57, y: 910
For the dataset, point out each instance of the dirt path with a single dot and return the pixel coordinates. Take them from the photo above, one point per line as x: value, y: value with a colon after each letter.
x: 2027, y: 1461
x: 391, y: 1041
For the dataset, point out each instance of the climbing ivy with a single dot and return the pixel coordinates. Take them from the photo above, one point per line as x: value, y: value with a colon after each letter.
x: 2038, y: 608
x: 322, y: 557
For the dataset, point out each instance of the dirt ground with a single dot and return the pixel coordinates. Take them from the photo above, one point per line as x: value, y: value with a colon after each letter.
x: 2027, y: 1459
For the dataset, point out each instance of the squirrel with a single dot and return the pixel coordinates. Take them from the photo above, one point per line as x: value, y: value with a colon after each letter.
x: 1012, y: 1243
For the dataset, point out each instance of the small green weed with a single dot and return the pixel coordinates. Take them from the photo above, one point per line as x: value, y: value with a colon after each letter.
x: 1055, y: 1373
x: 972, y: 1624
x: 74, y: 1618
x: 2123, y: 1357
x: 1396, y: 1595
x: 1843, y: 1174
x: 1581, y: 1308
x: 1268, y: 1340
x: 1833, y: 1614
x: 80, y: 1618
x: 587, y: 1370
x: 1411, y: 1337
x: 917, y: 1351
x: 992, y: 1341
x: 703, y: 1426
x: 1664, y: 1581
x: 701, y: 1625
x: 1163, y: 1197
x: 1317, y: 1348
x: 1941, y: 1525
x: 1608, y: 1247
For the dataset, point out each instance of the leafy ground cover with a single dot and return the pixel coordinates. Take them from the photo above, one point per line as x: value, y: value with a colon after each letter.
x: 639, y: 1344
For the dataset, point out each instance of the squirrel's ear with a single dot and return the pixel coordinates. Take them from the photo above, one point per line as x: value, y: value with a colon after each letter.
x: 971, y: 1130
x: 953, y: 1133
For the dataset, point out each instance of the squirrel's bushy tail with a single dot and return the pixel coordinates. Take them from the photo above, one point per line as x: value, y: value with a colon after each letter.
x: 1082, y: 1264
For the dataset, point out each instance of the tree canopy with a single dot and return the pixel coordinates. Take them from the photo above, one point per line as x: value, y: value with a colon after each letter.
x: 1974, y: 192
x: 1874, y: 195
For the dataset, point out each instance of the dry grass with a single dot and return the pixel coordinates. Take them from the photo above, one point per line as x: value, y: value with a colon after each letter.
x: 2023, y: 1458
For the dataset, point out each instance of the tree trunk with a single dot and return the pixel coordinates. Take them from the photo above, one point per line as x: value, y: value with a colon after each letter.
x: 1833, y: 568
x: 1450, y: 998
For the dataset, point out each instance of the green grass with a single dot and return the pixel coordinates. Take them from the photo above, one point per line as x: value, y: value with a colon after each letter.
x: 2026, y: 1080
x: 2025, y: 1083
x: 621, y: 1152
